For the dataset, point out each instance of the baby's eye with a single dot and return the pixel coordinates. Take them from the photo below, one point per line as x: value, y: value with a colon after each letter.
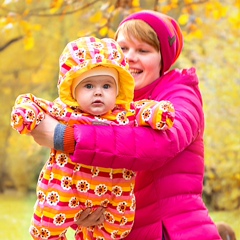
x: 106, y: 86
x: 88, y: 86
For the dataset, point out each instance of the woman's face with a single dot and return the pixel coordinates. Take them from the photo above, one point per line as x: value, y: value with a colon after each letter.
x: 144, y: 60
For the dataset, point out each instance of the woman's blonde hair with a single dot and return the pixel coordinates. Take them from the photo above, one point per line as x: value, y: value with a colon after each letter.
x: 141, y: 31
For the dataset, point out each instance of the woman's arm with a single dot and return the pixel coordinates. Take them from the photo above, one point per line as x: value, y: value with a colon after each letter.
x: 43, y: 134
x: 142, y: 148
x: 135, y: 148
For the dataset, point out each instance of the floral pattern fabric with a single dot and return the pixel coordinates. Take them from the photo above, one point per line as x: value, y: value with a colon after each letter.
x: 66, y: 188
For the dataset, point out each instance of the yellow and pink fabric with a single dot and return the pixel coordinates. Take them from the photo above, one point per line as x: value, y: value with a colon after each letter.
x: 66, y: 188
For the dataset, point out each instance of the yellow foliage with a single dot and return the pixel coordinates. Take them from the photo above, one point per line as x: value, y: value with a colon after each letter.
x: 29, y: 42
x: 102, y: 22
x: 111, y: 33
x: 234, y: 20
x: 111, y: 9
x: 165, y: 9
x: 135, y: 3
x: 223, y: 199
x: 22, y: 159
x: 3, y: 22
x: 183, y: 19
x: 174, y: 4
x: 27, y: 146
x: 36, y: 27
x: 6, y: 25
x: 210, y: 45
x: 26, y: 12
x: 188, y: 1
x: 198, y: 21
x: 103, y: 31
x: 96, y: 17
x: 56, y: 5
x: 198, y: 34
x: 12, y: 18
x: 237, y: 176
x: 215, y: 9
x: 26, y: 26
x: 211, y: 175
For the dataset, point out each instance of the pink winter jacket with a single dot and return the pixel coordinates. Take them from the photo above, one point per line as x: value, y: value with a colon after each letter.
x: 170, y: 164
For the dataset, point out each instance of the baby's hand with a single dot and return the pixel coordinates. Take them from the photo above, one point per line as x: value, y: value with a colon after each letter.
x: 89, y: 218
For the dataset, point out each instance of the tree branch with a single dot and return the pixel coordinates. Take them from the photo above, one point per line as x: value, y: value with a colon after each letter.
x: 10, y: 42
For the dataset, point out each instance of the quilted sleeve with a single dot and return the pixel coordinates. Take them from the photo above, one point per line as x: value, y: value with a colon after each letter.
x: 158, y: 115
x: 142, y: 148
x: 26, y: 114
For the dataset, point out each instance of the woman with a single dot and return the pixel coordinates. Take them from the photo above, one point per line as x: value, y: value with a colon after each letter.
x: 170, y: 164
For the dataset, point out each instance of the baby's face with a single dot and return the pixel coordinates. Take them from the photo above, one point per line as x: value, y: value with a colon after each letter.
x: 96, y: 95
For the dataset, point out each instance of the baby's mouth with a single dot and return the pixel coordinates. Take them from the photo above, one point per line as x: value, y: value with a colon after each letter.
x: 97, y: 102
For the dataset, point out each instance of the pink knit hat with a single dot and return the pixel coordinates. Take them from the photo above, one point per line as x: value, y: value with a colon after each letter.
x: 168, y: 32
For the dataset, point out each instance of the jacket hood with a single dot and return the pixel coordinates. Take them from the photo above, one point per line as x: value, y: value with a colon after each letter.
x: 86, y: 53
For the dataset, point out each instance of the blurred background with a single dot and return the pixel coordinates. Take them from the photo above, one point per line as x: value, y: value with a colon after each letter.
x: 33, y: 34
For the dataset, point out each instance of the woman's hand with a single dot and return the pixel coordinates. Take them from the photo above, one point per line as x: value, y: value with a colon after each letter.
x: 89, y: 218
x: 43, y: 134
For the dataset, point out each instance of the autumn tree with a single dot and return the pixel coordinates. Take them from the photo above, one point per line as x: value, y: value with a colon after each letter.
x: 34, y: 32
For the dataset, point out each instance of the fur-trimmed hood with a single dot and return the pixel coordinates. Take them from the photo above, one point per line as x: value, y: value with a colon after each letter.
x: 86, y: 53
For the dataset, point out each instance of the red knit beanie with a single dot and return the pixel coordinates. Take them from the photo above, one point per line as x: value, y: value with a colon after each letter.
x: 168, y: 32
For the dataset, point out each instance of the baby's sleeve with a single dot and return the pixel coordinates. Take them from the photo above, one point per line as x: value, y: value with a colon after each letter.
x: 26, y: 114
x: 156, y: 114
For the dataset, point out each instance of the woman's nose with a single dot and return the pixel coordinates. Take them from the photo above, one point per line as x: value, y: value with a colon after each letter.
x: 130, y: 55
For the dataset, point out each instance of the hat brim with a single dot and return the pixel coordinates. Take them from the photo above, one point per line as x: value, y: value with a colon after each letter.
x: 126, y: 84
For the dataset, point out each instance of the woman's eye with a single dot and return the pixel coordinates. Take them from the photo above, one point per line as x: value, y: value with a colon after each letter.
x: 142, y: 51
x: 124, y: 49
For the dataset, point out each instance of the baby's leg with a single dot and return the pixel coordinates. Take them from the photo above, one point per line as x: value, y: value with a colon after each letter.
x: 56, y: 208
x: 101, y: 187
